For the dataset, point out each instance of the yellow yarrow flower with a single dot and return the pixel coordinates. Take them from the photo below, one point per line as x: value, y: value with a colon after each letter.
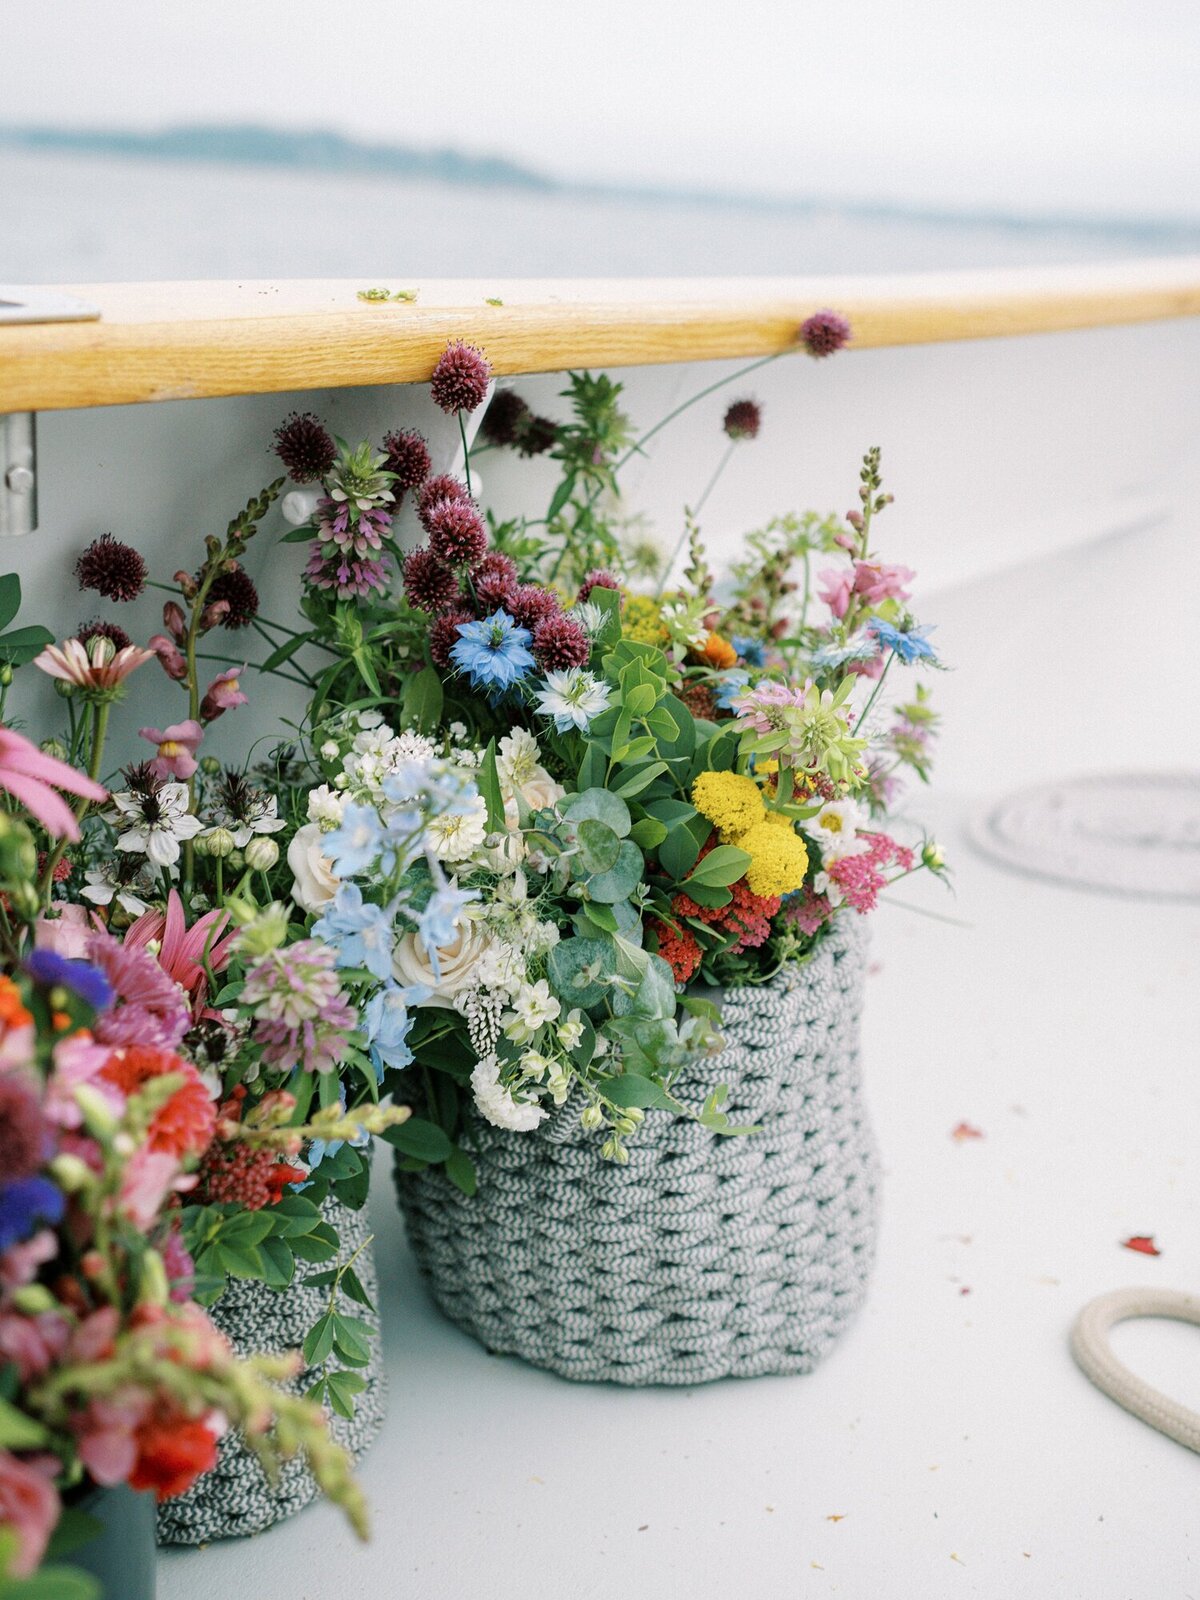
x: 731, y: 802
x: 642, y: 621
x: 778, y: 859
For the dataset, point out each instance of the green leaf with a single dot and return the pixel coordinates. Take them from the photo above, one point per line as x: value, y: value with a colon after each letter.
x: 352, y: 1339
x: 593, y: 766
x: 599, y: 846
x: 342, y: 1388
x: 460, y: 1169
x: 245, y: 1228
x: 575, y: 967
x: 601, y: 805
x: 421, y: 1139
x: 720, y: 867
x: 619, y: 882
x: 286, y: 651
x: 294, y: 1214
x: 297, y: 535
x: 641, y: 779
x: 366, y: 669
x: 679, y: 849
x: 351, y: 1286
x: 72, y: 1531
x: 488, y: 782
x: 632, y: 1090
x: 421, y: 705
x: 318, y: 1341
x: 278, y: 1261
x: 19, y: 1432
x: 560, y: 497
x: 308, y: 1247
x: 53, y: 1583
x: 20, y: 646
x: 640, y: 700
x: 10, y: 598
x: 648, y: 834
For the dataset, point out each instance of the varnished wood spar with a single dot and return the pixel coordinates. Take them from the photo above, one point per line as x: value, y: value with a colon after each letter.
x: 172, y: 341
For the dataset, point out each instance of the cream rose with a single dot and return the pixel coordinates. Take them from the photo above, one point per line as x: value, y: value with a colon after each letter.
x: 539, y: 792
x: 315, y: 884
x: 457, y: 961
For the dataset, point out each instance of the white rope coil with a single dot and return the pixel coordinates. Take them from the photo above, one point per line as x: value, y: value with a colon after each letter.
x: 1093, y: 1352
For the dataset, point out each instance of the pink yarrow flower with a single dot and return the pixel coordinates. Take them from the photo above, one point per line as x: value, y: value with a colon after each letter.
x: 223, y: 694
x: 177, y: 746
x: 31, y: 777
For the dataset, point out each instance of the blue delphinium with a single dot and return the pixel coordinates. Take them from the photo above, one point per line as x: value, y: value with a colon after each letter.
x: 357, y: 843
x: 729, y: 685
x: 387, y: 1019
x: 494, y: 651
x: 909, y: 644
x: 47, y: 967
x: 435, y: 924
x: 752, y: 651
x: 360, y: 933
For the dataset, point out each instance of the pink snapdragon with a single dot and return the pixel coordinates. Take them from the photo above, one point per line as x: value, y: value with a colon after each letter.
x: 177, y: 746
x: 835, y: 587
x: 877, y: 581
x: 171, y: 658
x: 223, y: 694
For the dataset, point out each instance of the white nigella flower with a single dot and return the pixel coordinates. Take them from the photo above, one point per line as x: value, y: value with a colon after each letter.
x: 104, y: 885
x: 457, y: 835
x: 533, y: 1007
x: 590, y: 617
x: 518, y: 759
x: 156, y: 823
x: 496, y: 1102
x: 260, y: 817
x: 835, y: 829
x: 572, y: 698
x: 325, y: 805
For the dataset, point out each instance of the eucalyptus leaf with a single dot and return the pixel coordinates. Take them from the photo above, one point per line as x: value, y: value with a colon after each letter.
x: 622, y: 879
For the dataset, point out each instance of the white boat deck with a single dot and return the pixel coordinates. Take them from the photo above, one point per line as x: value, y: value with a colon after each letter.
x: 948, y: 1446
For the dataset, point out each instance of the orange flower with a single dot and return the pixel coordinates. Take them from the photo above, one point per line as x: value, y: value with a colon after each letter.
x: 185, y: 1124
x: 718, y: 652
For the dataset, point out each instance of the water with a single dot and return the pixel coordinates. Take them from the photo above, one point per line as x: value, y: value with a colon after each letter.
x: 97, y: 219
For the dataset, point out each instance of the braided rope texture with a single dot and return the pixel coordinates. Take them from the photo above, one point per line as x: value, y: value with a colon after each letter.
x: 235, y: 1499
x: 706, y: 1256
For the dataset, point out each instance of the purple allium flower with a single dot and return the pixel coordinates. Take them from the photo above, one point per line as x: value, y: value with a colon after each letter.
x: 113, y: 569
x: 460, y: 379
x: 23, y: 1130
x: 305, y: 446
x: 301, y: 1015
x: 504, y: 419
x: 559, y: 642
x: 457, y: 533
x: 99, y: 629
x: 407, y: 457
x: 744, y: 418
x: 824, y: 332
x: 597, y: 578
x: 533, y: 604
x: 428, y: 583
x: 494, y: 591
x: 434, y: 490
x: 236, y: 589
x: 443, y: 636
x: 497, y: 564
x: 150, y: 1008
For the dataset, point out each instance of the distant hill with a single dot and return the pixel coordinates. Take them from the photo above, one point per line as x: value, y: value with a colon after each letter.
x: 253, y: 144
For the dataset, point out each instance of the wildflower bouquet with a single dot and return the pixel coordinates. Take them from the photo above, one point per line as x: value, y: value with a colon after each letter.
x: 110, y: 1372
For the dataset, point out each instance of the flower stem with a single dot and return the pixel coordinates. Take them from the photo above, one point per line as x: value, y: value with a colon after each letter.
x: 100, y: 713
x: 462, y: 428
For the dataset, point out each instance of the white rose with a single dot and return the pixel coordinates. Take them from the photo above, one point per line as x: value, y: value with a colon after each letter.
x: 539, y: 792
x: 315, y: 883
x: 457, y: 961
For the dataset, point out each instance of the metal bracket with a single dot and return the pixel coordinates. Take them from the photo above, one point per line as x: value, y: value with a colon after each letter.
x: 30, y: 302
x: 18, y: 473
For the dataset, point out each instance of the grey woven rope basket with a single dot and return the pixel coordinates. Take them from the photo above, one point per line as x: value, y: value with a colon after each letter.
x: 235, y: 1499
x: 706, y: 1256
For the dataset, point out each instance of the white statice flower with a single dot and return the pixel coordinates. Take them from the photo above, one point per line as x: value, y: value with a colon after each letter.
x: 496, y: 1103
x: 314, y: 881
x: 458, y: 835
x: 501, y: 968
x: 570, y: 1029
x: 572, y: 698
x: 458, y: 733
x: 533, y: 1007
x: 834, y: 829
x: 518, y: 758
x: 325, y: 806
x: 155, y: 825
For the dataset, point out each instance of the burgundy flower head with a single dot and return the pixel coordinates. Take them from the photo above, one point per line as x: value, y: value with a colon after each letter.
x: 99, y: 629
x: 457, y: 533
x: 428, y: 583
x: 743, y: 420
x: 113, y: 569
x: 537, y: 435
x: 460, y: 379
x: 443, y: 487
x: 532, y: 604
x: 443, y: 636
x: 824, y: 332
x: 504, y: 418
x: 597, y: 578
x: 408, y: 457
x: 236, y: 589
x: 305, y: 446
x: 559, y: 642
x: 497, y: 564
x: 494, y: 591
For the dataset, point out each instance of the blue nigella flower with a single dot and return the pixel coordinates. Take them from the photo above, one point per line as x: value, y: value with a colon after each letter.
x: 752, y: 651
x: 493, y: 651
x: 910, y: 646
x: 25, y: 1205
x: 387, y: 1018
x: 837, y: 655
x: 356, y: 843
x: 92, y: 987
x: 360, y: 933
x: 730, y: 685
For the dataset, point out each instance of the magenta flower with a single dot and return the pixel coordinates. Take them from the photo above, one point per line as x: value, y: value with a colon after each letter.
x: 28, y: 774
x: 150, y: 1007
x: 223, y: 694
x: 177, y: 746
x: 184, y: 953
x: 876, y: 581
x: 835, y: 587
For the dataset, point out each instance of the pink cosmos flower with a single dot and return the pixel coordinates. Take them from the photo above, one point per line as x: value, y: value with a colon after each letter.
x: 27, y: 774
x: 182, y: 949
x: 836, y: 586
x: 876, y: 581
x: 170, y: 656
x: 94, y: 666
x: 223, y: 694
x: 177, y: 746
x: 29, y: 1505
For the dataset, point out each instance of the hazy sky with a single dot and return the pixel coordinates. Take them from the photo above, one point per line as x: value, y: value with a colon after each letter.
x: 1083, y: 105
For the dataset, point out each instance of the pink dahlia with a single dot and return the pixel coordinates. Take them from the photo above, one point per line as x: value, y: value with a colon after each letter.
x: 150, y: 1008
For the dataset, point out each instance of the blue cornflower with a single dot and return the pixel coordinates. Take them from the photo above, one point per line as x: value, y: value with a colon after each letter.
x: 356, y: 843
x: 910, y: 645
x: 25, y: 1205
x: 730, y: 685
x: 387, y: 1018
x: 493, y: 651
x: 360, y: 933
x: 47, y: 968
x: 435, y: 925
x: 752, y: 651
